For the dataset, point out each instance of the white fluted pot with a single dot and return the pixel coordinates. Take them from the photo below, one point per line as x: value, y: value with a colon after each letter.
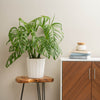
x: 35, y: 68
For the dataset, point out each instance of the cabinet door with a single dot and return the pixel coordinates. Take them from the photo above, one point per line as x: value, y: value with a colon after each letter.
x: 76, y: 80
x: 96, y: 81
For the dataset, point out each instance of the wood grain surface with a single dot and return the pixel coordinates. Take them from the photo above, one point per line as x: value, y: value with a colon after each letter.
x: 76, y: 84
x: 96, y: 81
x: 25, y: 79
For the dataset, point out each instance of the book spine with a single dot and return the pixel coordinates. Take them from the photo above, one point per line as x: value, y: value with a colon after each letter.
x: 79, y: 54
x: 80, y: 57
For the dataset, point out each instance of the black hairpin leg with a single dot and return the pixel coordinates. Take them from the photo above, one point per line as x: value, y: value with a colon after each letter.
x: 43, y: 91
x: 22, y: 91
x: 38, y: 91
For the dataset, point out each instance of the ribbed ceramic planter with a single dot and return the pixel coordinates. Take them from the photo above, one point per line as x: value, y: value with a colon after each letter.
x: 35, y: 68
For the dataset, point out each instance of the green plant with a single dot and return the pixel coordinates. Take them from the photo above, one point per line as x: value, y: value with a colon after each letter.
x: 46, y: 45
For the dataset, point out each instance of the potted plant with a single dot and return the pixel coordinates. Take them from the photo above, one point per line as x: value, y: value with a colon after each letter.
x: 24, y: 39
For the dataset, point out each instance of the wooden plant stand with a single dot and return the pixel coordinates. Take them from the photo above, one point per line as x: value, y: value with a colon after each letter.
x: 25, y: 79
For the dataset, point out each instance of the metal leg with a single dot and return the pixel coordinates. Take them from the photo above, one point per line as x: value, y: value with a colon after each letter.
x: 38, y: 91
x: 22, y: 91
x: 43, y: 91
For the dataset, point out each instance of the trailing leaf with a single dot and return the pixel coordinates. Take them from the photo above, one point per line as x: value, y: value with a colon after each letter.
x: 13, y: 57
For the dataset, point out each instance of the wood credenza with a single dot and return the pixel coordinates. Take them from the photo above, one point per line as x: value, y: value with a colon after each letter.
x: 80, y: 79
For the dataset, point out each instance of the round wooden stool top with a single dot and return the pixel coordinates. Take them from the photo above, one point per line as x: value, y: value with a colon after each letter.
x: 25, y: 79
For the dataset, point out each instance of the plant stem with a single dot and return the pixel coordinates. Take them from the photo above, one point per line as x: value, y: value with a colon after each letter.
x: 38, y: 56
x: 34, y: 53
x: 29, y: 55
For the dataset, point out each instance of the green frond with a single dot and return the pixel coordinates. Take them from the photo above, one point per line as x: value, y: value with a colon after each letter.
x: 24, y: 39
x: 13, y: 57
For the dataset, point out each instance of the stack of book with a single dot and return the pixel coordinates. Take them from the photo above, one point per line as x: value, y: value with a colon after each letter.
x: 80, y: 55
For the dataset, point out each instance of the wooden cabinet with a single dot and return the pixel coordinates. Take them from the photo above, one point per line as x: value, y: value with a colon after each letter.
x: 80, y: 80
x: 76, y: 81
x: 96, y: 81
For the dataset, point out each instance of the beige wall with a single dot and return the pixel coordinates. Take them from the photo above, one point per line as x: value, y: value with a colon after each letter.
x: 81, y: 22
